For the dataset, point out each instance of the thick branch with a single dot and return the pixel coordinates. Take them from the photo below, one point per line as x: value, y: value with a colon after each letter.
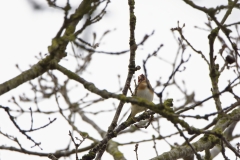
x: 206, y: 142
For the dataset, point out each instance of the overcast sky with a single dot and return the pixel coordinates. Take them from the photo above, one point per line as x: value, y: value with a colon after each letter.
x: 26, y: 32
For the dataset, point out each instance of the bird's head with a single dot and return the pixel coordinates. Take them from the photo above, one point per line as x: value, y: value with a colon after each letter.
x: 141, y: 78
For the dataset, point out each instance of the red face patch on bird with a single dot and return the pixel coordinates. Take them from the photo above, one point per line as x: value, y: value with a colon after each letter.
x: 141, y: 78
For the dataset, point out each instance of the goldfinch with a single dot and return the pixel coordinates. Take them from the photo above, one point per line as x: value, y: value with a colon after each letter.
x: 142, y: 90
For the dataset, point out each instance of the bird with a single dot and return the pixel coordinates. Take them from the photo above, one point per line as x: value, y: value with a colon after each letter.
x: 143, y: 90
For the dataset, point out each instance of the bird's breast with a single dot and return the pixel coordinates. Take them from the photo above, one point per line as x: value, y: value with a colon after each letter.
x: 145, y: 93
